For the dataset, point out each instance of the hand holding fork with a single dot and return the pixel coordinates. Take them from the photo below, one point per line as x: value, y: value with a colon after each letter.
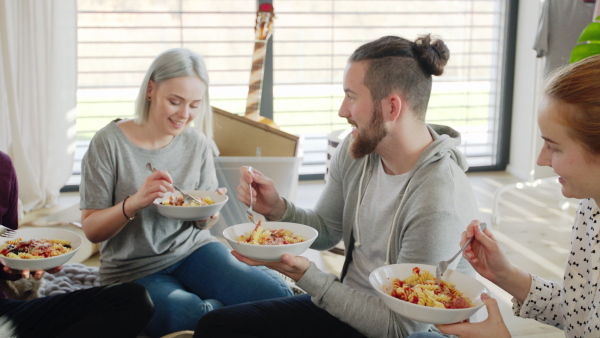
x: 187, y: 198
x: 443, y: 265
x: 249, y: 211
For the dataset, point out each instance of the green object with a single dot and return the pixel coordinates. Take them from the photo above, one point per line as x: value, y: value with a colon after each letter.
x: 588, y: 43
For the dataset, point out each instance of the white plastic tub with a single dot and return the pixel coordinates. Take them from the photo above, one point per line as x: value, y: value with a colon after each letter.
x: 282, y: 170
x: 333, y: 140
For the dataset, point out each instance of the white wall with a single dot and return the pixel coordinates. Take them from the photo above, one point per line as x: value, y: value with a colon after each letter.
x: 525, y: 140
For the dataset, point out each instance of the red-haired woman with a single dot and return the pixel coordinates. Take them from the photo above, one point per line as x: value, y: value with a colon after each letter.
x: 569, y: 121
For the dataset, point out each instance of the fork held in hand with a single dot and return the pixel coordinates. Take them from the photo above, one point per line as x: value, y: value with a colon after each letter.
x: 443, y: 265
x: 7, y: 232
x: 249, y: 211
x: 187, y: 198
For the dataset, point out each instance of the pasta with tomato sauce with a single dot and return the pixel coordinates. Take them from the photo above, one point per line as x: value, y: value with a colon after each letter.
x: 34, y: 248
x: 262, y: 236
x: 422, y: 288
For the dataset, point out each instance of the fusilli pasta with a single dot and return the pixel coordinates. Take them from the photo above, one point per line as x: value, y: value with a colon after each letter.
x: 263, y: 236
x: 422, y: 288
x: 178, y: 201
x: 34, y: 248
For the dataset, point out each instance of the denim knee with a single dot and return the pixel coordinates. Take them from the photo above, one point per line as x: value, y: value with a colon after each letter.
x: 180, y: 312
x: 284, y: 286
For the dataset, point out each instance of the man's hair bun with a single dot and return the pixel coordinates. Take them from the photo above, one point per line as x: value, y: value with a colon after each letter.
x: 432, y: 54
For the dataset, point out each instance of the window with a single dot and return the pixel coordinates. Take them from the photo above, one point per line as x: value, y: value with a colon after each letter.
x: 313, y: 40
x: 311, y: 43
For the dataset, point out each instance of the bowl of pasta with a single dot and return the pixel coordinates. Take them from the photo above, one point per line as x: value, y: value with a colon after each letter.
x: 412, y: 291
x: 39, y: 248
x: 269, y: 241
x: 172, y: 205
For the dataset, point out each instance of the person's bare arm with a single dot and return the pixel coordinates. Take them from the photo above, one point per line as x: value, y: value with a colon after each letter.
x: 102, y: 224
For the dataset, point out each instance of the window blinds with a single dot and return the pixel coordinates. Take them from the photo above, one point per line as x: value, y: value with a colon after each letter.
x: 117, y: 40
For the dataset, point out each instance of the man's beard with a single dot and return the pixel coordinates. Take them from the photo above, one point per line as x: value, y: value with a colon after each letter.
x: 366, y: 140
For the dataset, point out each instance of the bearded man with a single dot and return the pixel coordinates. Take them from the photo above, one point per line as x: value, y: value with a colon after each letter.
x: 397, y: 193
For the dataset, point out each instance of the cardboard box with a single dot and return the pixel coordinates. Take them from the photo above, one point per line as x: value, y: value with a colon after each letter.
x: 239, y: 136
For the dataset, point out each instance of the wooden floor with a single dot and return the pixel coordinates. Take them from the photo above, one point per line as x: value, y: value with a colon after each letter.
x: 533, y: 228
x: 534, y: 231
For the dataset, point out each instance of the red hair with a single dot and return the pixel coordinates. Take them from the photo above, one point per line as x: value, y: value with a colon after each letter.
x: 578, y: 85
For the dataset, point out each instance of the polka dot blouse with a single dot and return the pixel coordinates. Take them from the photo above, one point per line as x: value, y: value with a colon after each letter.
x: 575, y: 306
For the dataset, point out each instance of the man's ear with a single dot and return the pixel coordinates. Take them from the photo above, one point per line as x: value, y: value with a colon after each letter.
x: 395, y: 104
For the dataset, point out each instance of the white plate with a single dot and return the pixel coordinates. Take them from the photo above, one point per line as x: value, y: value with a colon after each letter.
x: 381, y: 280
x: 42, y: 263
x: 269, y: 253
x: 192, y: 213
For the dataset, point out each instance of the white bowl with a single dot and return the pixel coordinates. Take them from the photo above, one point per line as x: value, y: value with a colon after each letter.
x: 269, y: 253
x: 192, y: 213
x: 42, y: 263
x: 381, y: 280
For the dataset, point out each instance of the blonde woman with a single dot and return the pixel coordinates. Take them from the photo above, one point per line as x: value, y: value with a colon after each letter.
x: 186, y: 270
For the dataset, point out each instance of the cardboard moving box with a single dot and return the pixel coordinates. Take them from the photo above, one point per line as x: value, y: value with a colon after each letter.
x: 239, y: 136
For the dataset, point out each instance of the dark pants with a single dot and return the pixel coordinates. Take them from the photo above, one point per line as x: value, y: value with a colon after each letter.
x: 286, y: 317
x: 120, y: 310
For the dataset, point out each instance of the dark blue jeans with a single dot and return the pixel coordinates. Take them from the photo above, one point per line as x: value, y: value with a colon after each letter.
x: 206, y: 280
x: 287, y: 317
x: 120, y: 310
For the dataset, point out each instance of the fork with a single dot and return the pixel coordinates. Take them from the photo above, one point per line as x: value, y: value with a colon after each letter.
x: 249, y: 211
x: 443, y: 265
x: 7, y: 232
x: 187, y: 198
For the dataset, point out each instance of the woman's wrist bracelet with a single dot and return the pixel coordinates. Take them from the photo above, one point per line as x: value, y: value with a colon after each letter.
x: 124, y: 214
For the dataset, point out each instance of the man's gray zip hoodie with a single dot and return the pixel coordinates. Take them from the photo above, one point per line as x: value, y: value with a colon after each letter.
x: 436, y: 207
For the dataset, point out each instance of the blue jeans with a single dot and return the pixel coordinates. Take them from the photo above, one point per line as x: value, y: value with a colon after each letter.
x: 207, y: 279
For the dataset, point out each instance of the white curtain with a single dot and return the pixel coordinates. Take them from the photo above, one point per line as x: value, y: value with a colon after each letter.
x: 38, y: 79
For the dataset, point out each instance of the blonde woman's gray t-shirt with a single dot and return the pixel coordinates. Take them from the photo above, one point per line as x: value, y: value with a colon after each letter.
x: 114, y: 168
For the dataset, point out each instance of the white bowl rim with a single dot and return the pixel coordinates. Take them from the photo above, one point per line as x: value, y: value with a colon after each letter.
x: 27, y: 230
x: 314, y: 232
x: 159, y: 200
x: 429, y: 267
